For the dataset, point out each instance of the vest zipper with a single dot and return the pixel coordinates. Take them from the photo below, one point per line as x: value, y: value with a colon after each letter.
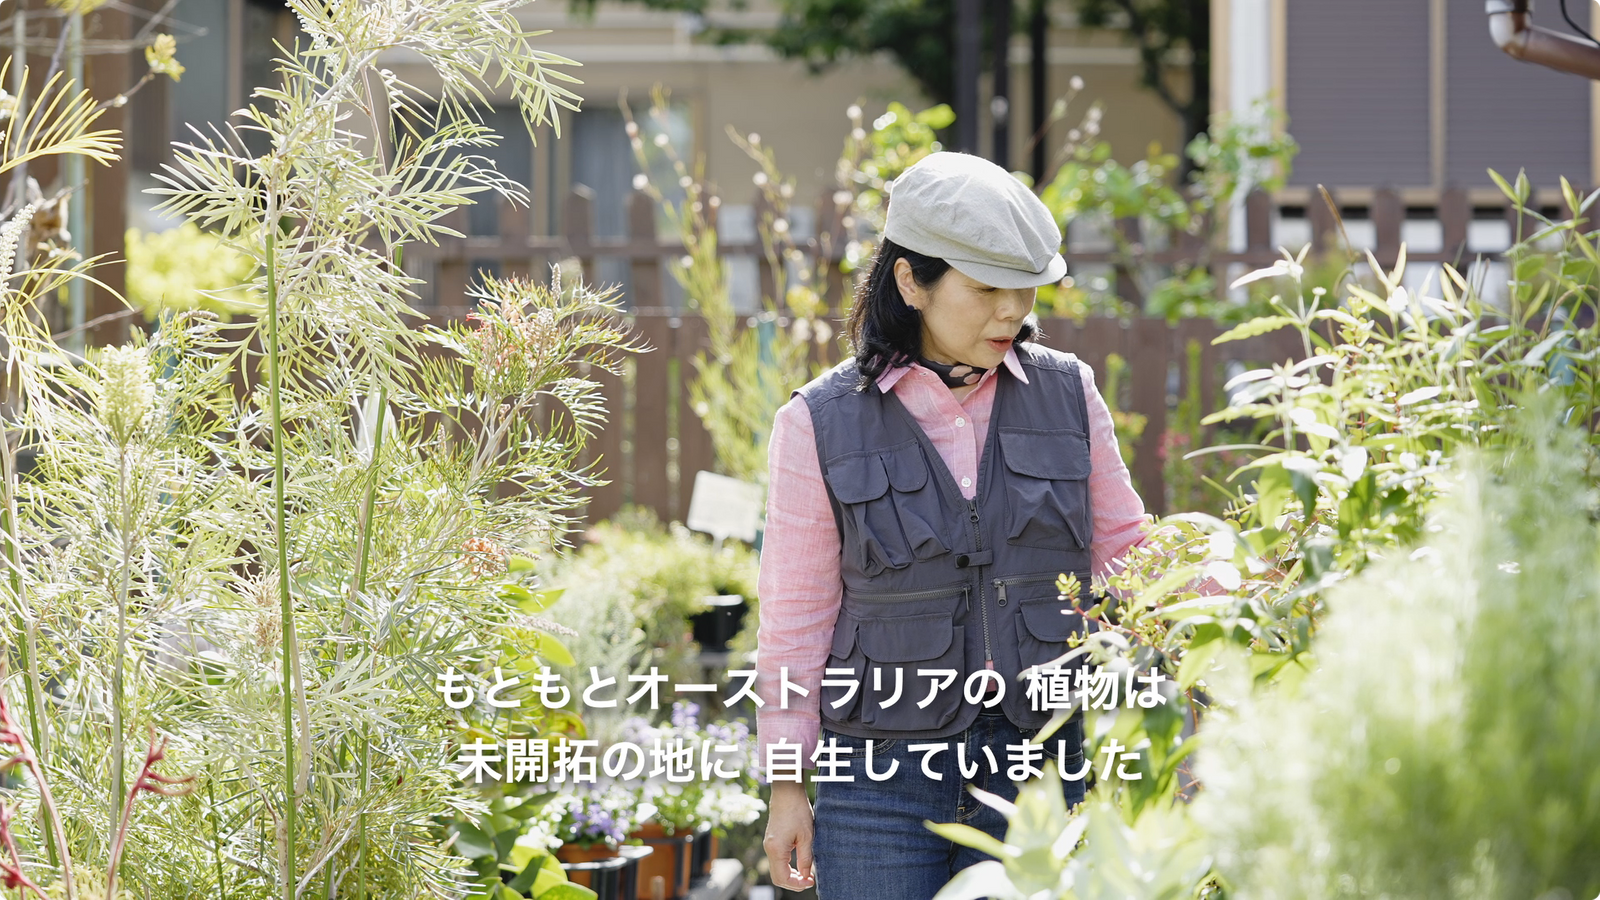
x: 929, y: 594
x: 1000, y: 585
x: 983, y: 606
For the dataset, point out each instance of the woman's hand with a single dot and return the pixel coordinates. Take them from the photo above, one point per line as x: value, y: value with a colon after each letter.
x: 789, y: 829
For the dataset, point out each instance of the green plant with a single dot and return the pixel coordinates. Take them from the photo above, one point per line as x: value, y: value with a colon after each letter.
x: 1237, y: 155
x: 1441, y: 747
x: 1196, y: 483
x: 1129, y: 425
x: 754, y: 365
x: 512, y: 846
x: 276, y: 576
x: 635, y: 574
x: 186, y: 268
x: 1360, y: 461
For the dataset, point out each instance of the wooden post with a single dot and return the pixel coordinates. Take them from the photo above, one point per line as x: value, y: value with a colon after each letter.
x: 763, y: 212
x: 450, y: 270
x: 1388, y: 214
x: 605, y: 450
x: 1127, y: 286
x: 1149, y: 355
x: 644, y: 253
x: 1258, y: 228
x: 828, y: 246
x: 107, y: 76
x: 577, y: 226
x: 651, y: 487
x: 695, y: 451
x: 515, y: 260
x: 1455, y: 216
x: 1325, y: 237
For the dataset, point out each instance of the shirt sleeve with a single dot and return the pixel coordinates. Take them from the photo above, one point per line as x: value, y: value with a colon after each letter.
x: 1120, y: 521
x: 799, y: 584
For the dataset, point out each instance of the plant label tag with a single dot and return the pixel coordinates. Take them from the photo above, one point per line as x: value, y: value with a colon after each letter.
x: 724, y: 507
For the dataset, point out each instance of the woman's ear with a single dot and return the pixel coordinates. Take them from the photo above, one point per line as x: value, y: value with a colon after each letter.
x: 910, y: 291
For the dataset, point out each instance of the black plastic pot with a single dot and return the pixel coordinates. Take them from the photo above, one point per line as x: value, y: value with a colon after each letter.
x: 715, y: 627
x: 611, y: 878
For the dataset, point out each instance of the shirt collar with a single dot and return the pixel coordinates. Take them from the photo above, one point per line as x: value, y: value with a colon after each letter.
x: 892, y: 375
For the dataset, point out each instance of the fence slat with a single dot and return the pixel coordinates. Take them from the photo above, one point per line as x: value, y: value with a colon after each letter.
x: 828, y: 246
x: 651, y: 486
x: 695, y: 451
x: 1127, y: 284
x: 762, y: 216
x: 577, y: 226
x: 646, y: 269
x: 1455, y: 216
x: 606, y: 449
x: 514, y: 226
x: 1149, y: 343
x: 1388, y: 214
x: 1325, y: 236
x: 1258, y: 225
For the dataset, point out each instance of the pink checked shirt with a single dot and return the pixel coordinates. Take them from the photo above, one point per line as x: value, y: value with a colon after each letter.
x: 800, y: 585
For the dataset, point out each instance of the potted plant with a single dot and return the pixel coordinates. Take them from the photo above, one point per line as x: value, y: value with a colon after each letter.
x: 694, y: 811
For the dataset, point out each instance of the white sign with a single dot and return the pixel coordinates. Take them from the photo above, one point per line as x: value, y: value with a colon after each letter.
x: 725, y: 507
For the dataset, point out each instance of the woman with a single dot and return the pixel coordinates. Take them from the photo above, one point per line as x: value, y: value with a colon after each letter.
x: 924, y: 496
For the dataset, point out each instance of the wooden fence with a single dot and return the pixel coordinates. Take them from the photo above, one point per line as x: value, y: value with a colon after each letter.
x: 447, y: 269
x: 654, y: 443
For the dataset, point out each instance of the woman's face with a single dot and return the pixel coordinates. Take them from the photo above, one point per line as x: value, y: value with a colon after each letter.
x: 965, y: 321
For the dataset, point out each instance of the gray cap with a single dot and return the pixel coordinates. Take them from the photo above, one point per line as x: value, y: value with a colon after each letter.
x: 979, y: 218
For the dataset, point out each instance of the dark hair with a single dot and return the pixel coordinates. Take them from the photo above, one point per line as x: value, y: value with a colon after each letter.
x: 885, y: 331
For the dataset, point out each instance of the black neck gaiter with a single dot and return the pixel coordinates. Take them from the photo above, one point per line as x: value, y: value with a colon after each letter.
x: 956, y: 375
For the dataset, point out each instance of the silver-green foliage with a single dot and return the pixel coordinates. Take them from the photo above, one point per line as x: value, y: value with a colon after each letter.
x: 1445, y: 745
x: 144, y: 578
x: 1365, y: 437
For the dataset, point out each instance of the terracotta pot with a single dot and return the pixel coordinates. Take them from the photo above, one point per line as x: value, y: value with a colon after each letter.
x: 670, y: 861
x: 577, y: 853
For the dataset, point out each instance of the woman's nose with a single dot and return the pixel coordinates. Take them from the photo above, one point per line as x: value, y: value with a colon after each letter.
x: 1015, y: 305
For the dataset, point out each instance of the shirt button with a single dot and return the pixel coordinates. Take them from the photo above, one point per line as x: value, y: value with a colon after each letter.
x: 960, y: 421
x: 966, y: 482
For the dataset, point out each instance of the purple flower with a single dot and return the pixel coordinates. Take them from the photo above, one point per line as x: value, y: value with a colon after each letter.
x: 684, y: 714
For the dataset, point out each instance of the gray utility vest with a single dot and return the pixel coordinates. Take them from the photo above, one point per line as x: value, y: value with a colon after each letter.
x: 935, y: 581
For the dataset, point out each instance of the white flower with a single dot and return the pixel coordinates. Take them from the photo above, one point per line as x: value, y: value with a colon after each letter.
x: 723, y: 805
x: 127, y: 392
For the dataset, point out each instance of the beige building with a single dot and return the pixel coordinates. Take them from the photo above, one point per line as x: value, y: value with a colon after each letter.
x: 625, y: 47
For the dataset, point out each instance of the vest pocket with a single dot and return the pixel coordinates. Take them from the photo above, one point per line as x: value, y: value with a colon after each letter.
x: 842, y: 655
x: 887, y: 528
x: 896, y: 650
x: 1047, y: 487
x: 1048, y: 622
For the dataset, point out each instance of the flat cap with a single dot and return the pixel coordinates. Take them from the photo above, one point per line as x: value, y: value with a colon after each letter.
x: 979, y: 218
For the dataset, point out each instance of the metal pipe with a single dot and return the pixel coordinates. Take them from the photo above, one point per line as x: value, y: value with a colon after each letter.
x: 969, y: 30
x: 1511, y: 26
x: 76, y: 181
x: 1000, y: 102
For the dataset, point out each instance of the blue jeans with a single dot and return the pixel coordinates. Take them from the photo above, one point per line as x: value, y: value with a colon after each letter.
x: 869, y: 840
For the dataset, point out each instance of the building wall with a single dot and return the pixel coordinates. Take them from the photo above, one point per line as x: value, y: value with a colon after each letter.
x: 1410, y: 94
x: 624, y: 47
x: 627, y: 50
